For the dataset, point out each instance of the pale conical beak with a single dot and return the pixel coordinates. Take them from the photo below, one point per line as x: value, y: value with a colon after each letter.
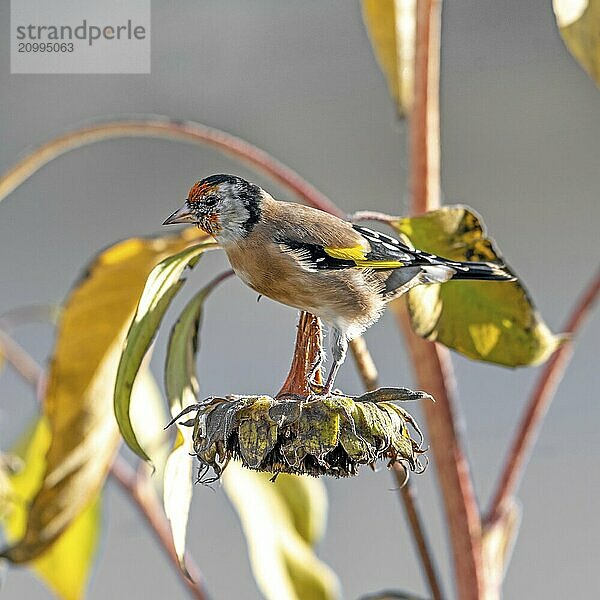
x: 181, y: 215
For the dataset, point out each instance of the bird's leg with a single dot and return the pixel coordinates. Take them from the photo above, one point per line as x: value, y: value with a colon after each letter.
x: 339, y: 347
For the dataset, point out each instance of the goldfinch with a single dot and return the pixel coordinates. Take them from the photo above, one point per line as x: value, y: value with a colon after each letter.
x: 343, y: 273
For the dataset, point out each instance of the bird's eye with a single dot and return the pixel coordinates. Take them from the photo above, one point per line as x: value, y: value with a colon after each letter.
x: 211, y: 200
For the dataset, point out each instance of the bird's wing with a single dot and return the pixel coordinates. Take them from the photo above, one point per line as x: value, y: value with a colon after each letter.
x: 365, y: 249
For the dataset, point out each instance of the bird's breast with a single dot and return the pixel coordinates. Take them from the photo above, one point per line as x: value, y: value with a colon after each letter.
x: 347, y: 295
x: 268, y: 272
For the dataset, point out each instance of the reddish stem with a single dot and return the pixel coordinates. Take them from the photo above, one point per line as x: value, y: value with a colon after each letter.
x: 20, y: 360
x: 431, y: 363
x: 540, y: 400
x: 162, y: 127
x: 307, y: 350
x: 424, y: 141
x: 408, y: 494
x: 433, y: 370
x: 144, y: 497
x: 372, y: 215
x: 364, y: 363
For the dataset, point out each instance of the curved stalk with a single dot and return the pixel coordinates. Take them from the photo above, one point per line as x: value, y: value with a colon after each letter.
x: 168, y: 129
x: 539, y: 402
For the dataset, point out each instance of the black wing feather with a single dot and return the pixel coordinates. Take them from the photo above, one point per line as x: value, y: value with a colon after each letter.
x: 385, y: 247
x: 315, y: 257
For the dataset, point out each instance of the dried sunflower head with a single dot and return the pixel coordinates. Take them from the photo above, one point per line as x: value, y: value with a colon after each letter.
x: 316, y: 436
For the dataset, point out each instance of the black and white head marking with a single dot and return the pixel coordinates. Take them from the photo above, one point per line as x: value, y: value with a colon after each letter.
x: 235, y: 201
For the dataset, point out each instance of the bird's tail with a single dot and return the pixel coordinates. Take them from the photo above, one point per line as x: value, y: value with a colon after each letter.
x: 485, y: 271
x: 440, y: 270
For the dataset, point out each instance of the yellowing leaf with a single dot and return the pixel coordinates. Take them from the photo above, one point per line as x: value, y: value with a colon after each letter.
x: 182, y: 387
x: 484, y: 320
x: 279, y: 537
x: 149, y: 416
x: 161, y: 286
x: 392, y: 26
x: 498, y: 540
x: 81, y: 378
x: 7, y: 467
x: 178, y: 489
x: 306, y: 500
x: 579, y: 25
x: 65, y: 566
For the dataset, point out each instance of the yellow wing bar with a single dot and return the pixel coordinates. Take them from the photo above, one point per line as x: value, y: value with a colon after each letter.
x: 357, y: 255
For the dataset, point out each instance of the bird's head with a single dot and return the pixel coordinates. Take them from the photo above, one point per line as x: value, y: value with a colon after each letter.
x: 225, y: 206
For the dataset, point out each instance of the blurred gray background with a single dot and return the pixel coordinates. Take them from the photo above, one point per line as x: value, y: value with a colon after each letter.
x: 520, y: 132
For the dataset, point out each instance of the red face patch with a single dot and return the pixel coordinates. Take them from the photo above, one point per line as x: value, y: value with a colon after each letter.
x: 198, y: 192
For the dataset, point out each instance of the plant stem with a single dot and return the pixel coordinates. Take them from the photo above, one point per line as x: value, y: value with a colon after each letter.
x: 215, y: 281
x: 33, y: 313
x: 434, y: 373
x: 368, y: 373
x: 408, y: 494
x: 371, y: 215
x: 424, y: 140
x: 142, y: 496
x: 20, y: 360
x: 364, y: 363
x: 307, y: 350
x: 538, y: 404
x: 169, y: 129
x: 149, y: 506
x: 431, y: 363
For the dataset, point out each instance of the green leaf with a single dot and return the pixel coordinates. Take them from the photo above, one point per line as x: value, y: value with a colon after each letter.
x: 65, y: 566
x: 180, y: 370
x: 484, y: 320
x: 279, y: 532
x: 161, y: 286
x: 80, y: 385
x: 182, y: 387
x: 391, y: 25
x: 579, y: 25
